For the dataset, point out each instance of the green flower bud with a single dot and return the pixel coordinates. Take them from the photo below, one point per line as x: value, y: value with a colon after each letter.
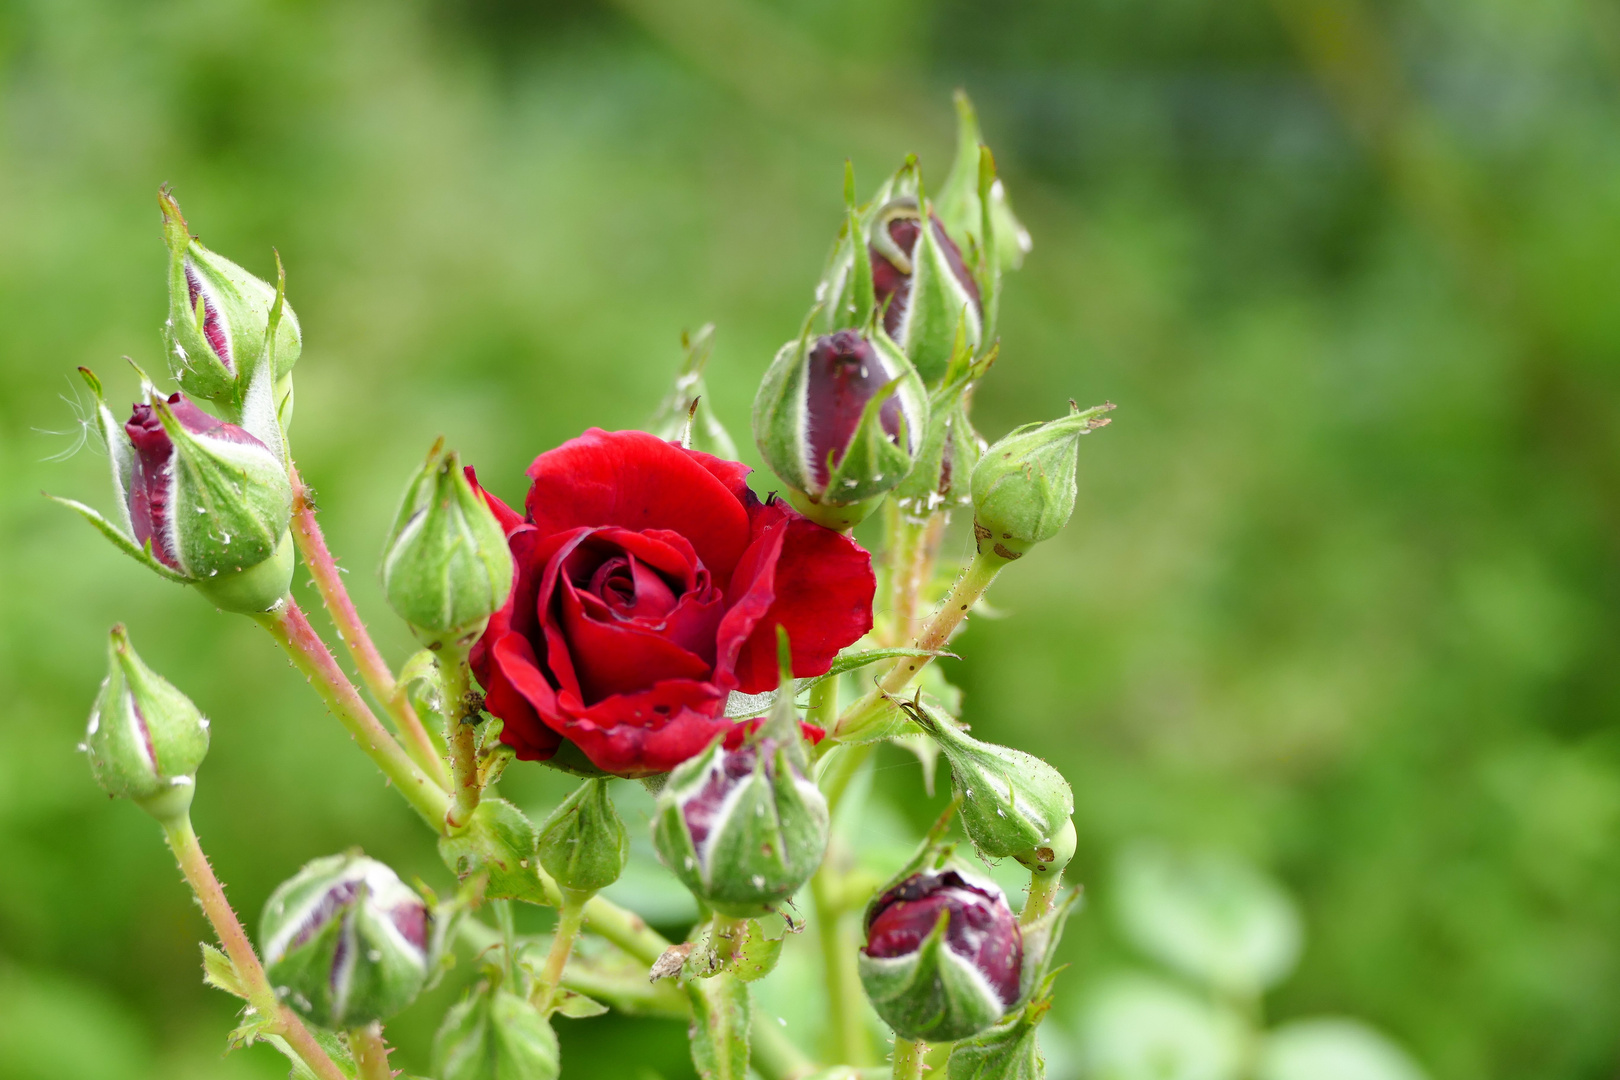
x: 1024, y: 486
x: 1013, y: 803
x: 743, y: 829
x: 943, y: 957
x: 583, y: 844
x: 345, y: 942
x: 224, y: 324
x: 447, y: 568
x: 961, y: 205
x: 839, y: 419
x: 145, y: 739
x: 495, y: 1035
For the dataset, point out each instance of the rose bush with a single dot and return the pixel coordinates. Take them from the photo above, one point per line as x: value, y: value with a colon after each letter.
x: 650, y: 583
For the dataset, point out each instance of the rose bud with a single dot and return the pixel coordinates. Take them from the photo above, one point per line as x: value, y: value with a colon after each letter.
x: 743, y: 829
x: 225, y: 324
x: 1024, y: 486
x: 962, y: 197
x: 1013, y: 803
x: 146, y: 739
x: 345, y: 942
x: 922, y: 286
x: 583, y: 844
x: 446, y: 568
x: 943, y: 955
x: 495, y: 1035
x: 839, y: 418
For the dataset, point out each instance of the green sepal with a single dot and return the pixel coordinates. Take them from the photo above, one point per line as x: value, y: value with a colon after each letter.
x: 499, y: 843
x: 966, y: 201
x: 720, y: 1027
x: 931, y: 994
x: 141, y: 553
x: 1024, y: 486
x: 938, y: 303
x: 1008, y: 1051
x: 1041, y: 940
x: 583, y: 844
x: 872, y: 465
x: 255, y: 588
x: 495, y: 1035
x: 220, y: 973
x: 685, y: 416
x: 950, y: 446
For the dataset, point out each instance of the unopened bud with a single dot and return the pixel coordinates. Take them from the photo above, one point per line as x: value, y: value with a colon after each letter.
x: 1013, y: 803
x: 446, y: 568
x: 145, y: 739
x: 495, y: 1035
x: 943, y: 955
x: 220, y: 322
x: 583, y: 844
x: 923, y: 287
x: 839, y: 418
x: 1024, y: 485
x: 743, y: 829
x: 345, y: 942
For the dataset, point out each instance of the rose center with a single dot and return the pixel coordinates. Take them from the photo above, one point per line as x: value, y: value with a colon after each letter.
x: 631, y: 589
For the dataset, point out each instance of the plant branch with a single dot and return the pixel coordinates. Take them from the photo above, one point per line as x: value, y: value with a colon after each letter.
x: 461, y: 737
x: 287, y: 624
x: 569, y: 919
x: 845, y: 1017
x: 370, y: 1052
x: 351, y: 630
x: 261, y: 996
x: 909, y: 1059
x: 1043, y: 889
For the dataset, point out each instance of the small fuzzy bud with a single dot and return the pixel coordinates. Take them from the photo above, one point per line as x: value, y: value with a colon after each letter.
x: 495, y: 1035
x: 743, y: 829
x: 839, y: 418
x: 1013, y: 803
x: 224, y: 323
x: 446, y: 568
x: 1024, y: 486
x: 345, y: 942
x: 583, y: 844
x: 145, y: 738
x: 943, y: 956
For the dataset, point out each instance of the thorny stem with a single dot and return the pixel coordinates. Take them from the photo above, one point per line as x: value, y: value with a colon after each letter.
x: 210, y: 895
x: 287, y: 624
x: 908, y: 1058
x: 461, y: 738
x: 569, y: 918
x: 351, y: 629
x: 370, y: 1052
x: 1043, y: 889
x: 969, y: 587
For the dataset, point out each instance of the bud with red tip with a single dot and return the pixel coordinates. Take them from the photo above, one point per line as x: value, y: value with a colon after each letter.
x: 944, y: 955
x: 839, y: 418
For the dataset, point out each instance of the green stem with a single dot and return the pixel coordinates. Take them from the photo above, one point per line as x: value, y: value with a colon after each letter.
x: 611, y: 922
x: 823, y: 705
x: 351, y: 630
x: 1043, y: 889
x: 969, y: 587
x: 907, y: 550
x: 846, y: 1018
x: 261, y: 996
x: 370, y: 1052
x: 455, y: 680
x: 908, y: 1058
x: 503, y: 919
x: 569, y: 918
x: 287, y: 624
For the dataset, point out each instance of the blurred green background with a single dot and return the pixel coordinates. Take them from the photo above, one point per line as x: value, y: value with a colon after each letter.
x: 1342, y: 597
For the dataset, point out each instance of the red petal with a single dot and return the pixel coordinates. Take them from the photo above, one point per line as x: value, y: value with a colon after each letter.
x: 510, y: 519
x: 636, y: 481
x: 823, y: 588
x: 650, y: 732
x: 623, y: 658
x: 510, y: 691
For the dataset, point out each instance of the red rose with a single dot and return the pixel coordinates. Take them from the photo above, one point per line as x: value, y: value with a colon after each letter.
x: 650, y: 583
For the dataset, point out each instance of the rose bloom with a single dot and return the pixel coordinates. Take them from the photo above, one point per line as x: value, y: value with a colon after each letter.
x: 650, y: 583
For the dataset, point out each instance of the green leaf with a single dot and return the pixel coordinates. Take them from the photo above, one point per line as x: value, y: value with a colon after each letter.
x: 1333, y: 1049
x: 855, y: 659
x: 1139, y: 1027
x: 577, y: 1006
x: 499, y: 842
x: 719, y: 1029
x: 220, y: 973
x: 1212, y: 918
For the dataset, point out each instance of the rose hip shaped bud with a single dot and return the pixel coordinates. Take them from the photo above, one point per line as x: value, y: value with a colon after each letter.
x: 943, y: 955
x: 922, y: 285
x: 345, y: 942
x: 743, y: 829
x: 1024, y: 485
x: 446, y: 568
x: 839, y: 418
x: 220, y: 322
x: 495, y: 1035
x: 1013, y: 803
x: 145, y: 739
x: 583, y: 844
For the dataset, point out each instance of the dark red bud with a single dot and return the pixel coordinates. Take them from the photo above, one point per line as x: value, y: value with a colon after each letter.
x: 893, y: 285
x: 213, y: 326
x: 845, y: 373
x: 981, y: 930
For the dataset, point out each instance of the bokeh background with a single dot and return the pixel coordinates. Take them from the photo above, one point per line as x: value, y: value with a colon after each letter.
x: 1341, y: 599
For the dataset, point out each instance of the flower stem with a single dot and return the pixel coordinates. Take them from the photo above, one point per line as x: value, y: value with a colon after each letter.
x: 775, y: 1056
x: 287, y: 624
x: 611, y: 922
x: 838, y: 957
x: 210, y: 895
x: 569, y: 918
x: 351, y: 629
x: 907, y: 556
x: 461, y: 737
x: 1043, y: 889
x: 969, y: 587
x: 370, y: 1052
x: 908, y: 1058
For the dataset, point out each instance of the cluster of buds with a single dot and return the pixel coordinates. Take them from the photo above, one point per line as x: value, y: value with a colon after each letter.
x: 345, y: 942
